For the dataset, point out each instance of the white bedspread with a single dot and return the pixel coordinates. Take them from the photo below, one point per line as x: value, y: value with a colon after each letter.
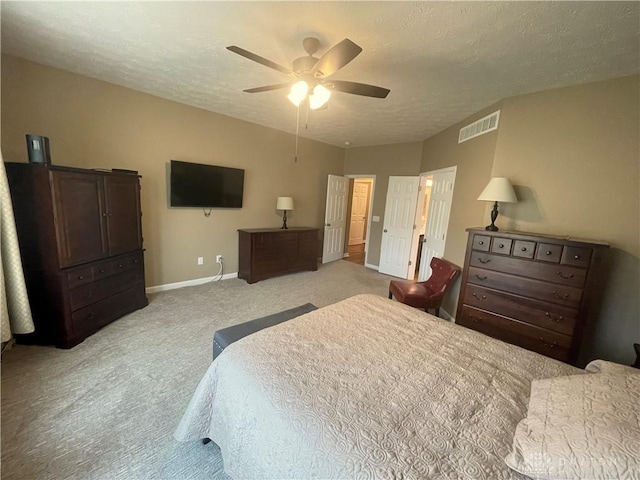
x: 366, y: 388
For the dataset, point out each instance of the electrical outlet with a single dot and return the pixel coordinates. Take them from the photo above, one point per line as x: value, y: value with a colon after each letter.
x: 218, y: 258
x: 200, y: 260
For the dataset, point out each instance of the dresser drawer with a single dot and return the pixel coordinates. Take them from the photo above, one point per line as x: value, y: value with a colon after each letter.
x: 549, y: 253
x: 547, y: 292
x: 127, y: 261
x: 546, y: 315
x: 523, y: 249
x: 89, y: 319
x: 532, y: 338
x: 100, y: 289
x: 577, y: 256
x: 481, y: 242
x: 501, y: 246
x: 79, y: 276
x: 562, y: 274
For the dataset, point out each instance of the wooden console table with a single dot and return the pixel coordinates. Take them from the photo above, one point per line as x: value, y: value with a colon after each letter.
x: 268, y: 252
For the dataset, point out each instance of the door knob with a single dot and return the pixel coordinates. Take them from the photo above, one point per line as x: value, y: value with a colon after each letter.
x: 327, y: 224
x: 385, y: 230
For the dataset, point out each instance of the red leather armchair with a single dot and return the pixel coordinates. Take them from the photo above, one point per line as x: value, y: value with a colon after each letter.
x: 427, y: 294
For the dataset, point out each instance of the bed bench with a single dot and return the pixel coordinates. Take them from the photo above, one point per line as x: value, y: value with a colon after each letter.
x: 226, y: 336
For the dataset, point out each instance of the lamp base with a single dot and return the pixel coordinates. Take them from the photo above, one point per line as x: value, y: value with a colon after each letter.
x: 284, y: 221
x: 494, y: 215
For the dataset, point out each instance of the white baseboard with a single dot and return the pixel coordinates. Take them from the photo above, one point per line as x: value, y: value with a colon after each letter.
x: 371, y: 266
x: 345, y: 255
x: 189, y: 283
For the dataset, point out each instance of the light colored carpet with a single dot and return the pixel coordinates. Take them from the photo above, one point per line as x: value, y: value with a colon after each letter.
x: 107, y: 408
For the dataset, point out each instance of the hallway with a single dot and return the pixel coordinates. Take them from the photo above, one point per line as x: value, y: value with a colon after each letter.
x: 356, y: 254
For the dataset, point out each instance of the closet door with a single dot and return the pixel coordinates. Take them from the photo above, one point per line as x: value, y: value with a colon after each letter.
x: 79, y: 217
x: 122, y: 195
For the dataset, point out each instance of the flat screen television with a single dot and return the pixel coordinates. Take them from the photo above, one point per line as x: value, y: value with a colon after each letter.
x: 208, y: 186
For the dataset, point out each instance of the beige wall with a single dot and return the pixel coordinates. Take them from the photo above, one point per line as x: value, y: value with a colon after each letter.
x: 474, y: 160
x: 574, y: 155
x: 96, y: 124
x: 382, y: 161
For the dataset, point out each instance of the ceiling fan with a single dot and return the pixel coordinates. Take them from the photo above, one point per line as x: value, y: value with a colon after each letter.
x: 313, y: 74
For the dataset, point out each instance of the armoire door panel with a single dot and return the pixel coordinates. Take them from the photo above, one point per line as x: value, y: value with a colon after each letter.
x: 122, y: 197
x: 79, y: 216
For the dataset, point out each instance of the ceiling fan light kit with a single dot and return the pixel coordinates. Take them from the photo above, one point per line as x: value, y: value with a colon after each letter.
x: 319, y: 97
x: 312, y: 73
x: 298, y: 92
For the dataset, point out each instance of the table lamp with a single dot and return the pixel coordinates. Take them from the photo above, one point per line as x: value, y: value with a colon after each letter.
x: 284, y: 204
x: 499, y: 189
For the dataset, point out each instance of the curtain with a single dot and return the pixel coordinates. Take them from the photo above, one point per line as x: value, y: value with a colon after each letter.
x: 15, y: 313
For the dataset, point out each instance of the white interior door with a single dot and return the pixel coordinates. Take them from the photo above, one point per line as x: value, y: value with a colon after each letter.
x: 435, y: 235
x: 335, y: 218
x: 398, y: 226
x: 359, y: 210
x: 417, y: 221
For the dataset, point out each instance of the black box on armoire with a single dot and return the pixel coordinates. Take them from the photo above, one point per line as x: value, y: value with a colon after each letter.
x: 38, y: 149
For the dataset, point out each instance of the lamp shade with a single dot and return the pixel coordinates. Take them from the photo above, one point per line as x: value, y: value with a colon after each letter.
x: 284, y: 203
x: 319, y: 97
x: 298, y: 92
x: 499, y: 189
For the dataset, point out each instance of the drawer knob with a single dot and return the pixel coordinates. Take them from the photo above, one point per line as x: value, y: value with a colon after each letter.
x: 501, y: 245
x: 481, y: 242
x: 548, y: 252
x: 475, y: 319
x: 557, y: 295
x: 484, y: 260
x: 524, y: 249
x: 558, y: 319
x: 481, y: 297
x: 480, y: 277
x: 87, y: 295
x: 120, y: 265
x: 80, y: 277
x: 104, y: 214
x: 89, y: 317
x: 576, y: 257
x: 102, y: 270
x: 562, y: 275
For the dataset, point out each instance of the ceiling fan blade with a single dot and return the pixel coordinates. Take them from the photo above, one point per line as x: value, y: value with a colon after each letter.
x: 267, y: 88
x: 336, y: 58
x: 359, y: 89
x: 260, y: 60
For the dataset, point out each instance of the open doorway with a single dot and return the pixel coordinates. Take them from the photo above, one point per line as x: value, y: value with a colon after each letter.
x: 431, y: 237
x: 426, y: 182
x: 359, y: 216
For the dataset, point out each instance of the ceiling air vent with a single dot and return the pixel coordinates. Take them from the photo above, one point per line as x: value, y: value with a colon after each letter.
x: 479, y: 127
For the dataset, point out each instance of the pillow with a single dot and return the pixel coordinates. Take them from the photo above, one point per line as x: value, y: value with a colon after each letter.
x: 580, y: 426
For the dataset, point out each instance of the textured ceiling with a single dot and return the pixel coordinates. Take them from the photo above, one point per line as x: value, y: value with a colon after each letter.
x: 442, y: 60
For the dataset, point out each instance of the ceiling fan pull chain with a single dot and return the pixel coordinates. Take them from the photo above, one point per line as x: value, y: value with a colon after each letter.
x: 297, y: 130
x: 306, y: 122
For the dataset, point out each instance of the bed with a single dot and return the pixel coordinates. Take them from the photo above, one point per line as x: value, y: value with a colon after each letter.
x: 366, y: 388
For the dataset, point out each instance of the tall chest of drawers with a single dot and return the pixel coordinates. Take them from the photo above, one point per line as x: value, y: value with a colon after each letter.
x: 530, y: 290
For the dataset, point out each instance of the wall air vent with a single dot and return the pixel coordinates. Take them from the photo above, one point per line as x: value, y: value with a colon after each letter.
x: 479, y: 127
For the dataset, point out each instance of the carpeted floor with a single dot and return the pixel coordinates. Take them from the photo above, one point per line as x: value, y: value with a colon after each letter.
x: 107, y: 408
